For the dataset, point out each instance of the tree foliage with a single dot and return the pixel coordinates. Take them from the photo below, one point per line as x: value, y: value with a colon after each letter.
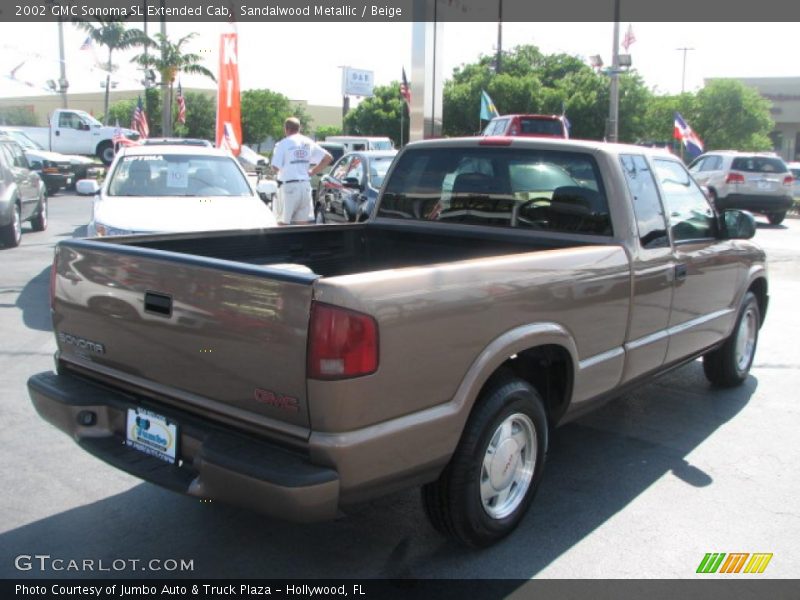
x: 18, y: 116
x: 201, y: 117
x: 729, y: 114
x: 324, y: 131
x: 380, y: 114
x: 263, y: 114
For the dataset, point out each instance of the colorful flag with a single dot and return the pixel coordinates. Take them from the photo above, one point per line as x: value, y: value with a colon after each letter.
x: 405, y: 91
x: 139, y: 120
x: 629, y: 38
x: 181, y: 105
x: 87, y: 43
x: 488, y: 110
x: 684, y: 133
x: 229, y: 115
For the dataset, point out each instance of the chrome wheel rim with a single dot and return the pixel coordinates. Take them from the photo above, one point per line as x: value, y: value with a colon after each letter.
x: 746, y: 339
x: 508, y: 464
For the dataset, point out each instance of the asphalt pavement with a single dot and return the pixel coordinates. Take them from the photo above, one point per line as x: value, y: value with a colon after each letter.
x: 642, y: 488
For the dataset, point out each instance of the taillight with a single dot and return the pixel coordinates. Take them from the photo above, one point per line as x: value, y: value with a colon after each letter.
x: 495, y: 141
x: 788, y: 180
x: 734, y: 178
x: 341, y: 343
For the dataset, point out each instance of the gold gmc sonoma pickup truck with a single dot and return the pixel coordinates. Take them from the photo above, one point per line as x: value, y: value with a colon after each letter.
x: 502, y: 287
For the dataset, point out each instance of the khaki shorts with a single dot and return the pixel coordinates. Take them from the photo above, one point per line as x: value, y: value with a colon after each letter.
x: 294, y: 203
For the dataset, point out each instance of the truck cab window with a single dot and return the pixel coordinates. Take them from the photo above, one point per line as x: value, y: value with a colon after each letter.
x: 646, y: 202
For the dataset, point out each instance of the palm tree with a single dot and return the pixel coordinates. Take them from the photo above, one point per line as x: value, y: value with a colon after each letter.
x: 114, y: 36
x: 172, y: 61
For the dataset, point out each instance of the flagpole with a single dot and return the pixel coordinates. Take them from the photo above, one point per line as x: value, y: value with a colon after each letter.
x: 402, y: 119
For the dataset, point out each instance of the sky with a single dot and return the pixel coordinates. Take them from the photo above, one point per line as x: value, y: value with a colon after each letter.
x: 302, y: 60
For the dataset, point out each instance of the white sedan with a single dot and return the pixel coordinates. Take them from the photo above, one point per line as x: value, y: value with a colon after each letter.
x: 165, y: 189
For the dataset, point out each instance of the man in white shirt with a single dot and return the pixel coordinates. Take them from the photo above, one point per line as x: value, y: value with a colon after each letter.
x: 292, y: 159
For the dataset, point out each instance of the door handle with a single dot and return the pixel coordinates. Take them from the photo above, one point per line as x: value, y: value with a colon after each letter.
x: 680, y: 272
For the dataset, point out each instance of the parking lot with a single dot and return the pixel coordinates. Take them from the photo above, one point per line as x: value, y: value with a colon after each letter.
x: 642, y: 488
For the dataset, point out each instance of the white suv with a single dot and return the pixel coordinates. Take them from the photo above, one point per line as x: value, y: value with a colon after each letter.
x: 760, y: 183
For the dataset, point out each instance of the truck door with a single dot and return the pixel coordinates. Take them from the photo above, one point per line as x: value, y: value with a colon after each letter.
x: 652, y: 268
x: 71, y: 134
x: 707, y: 269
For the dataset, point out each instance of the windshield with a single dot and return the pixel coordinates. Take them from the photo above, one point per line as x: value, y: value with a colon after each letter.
x: 177, y: 175
x: 24, y: 141
x: 385, y: 145
x: 377, y: 170
x: 88, y: 118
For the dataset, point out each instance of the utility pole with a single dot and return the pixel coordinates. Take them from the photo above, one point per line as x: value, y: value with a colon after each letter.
x: 63, y: 84
x: 613, y: 109
x: 683, y: 77
x: 499, y: 58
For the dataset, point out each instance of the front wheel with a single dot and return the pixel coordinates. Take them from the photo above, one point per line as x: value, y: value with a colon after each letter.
x: 39, y: 222
x: 11, y: 234
x: 487, y: 487
x: 728, y: 365
x: 776, y: 218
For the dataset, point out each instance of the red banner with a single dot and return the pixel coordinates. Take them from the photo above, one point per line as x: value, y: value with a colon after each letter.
x: 229, y: 119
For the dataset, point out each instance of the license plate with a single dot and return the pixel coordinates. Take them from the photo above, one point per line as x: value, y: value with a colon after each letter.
x: 765, y: 185
x: 152, y: 434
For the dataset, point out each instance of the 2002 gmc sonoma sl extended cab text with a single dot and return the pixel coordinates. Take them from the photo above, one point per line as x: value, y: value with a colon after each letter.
x: 502, y: 287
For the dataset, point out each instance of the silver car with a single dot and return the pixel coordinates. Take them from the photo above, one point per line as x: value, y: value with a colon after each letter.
x: 760, y: 183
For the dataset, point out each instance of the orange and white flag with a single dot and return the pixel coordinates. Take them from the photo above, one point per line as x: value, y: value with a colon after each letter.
x: 229, y: 117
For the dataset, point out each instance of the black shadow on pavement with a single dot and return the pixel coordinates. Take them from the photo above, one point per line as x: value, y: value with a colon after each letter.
x: 34, y: 302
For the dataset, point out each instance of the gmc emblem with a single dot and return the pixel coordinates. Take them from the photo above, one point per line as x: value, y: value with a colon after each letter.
x: 276, y: 400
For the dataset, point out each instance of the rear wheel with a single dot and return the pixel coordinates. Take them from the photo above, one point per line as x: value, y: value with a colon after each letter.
x: 105, y: 152
x: 776, y: 218
x: 728, y: 365
x: 39, y: 222
x: 11, y: 234
x: 487, y: 487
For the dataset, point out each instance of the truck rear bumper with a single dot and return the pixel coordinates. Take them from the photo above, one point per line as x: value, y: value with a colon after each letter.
x: 213, y: 463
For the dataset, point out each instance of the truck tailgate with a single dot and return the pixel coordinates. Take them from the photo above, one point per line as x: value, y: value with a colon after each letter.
x: 213, y: 335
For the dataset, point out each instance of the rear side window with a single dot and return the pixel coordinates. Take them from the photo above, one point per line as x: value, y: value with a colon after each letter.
x: 544, y: 190
x: 646, y: 202
x: 690, y: 214
x: 759, y: 164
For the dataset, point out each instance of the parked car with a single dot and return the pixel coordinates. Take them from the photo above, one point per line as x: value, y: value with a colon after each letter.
x: 336, y: 150
x: 176, y: 141
x: 80, y: 167
x: 174, y: 188
x: 529, y: 126
x: 794, y: 168
x: 23, y: 194
x: 348, y: 192
x: 54, y: 169
x: 358, y: 143
x: 760, y: 183
x: 77, y: 132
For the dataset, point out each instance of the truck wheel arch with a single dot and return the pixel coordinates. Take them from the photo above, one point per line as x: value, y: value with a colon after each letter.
x: 543, y: 354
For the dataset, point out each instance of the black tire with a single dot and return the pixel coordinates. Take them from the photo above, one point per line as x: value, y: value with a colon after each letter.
x: 105, y: 152
x: 776, y: 218
x: 455, y: 504
x: 52, y: 190
x: 729, y: 365
x: 11, y: 234
x: 39, y: 222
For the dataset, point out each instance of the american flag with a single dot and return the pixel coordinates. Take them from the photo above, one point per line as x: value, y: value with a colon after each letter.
x: 405, y: 91
x: 139, y: 120
x: 629, y: 38
x: 87, y: 43
x: 181, y: 105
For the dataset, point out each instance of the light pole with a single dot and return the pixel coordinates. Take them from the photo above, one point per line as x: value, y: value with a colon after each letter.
x: 613, y: 108
x: 683, y: 76
x: 63, y: 84
x: 166, y: 101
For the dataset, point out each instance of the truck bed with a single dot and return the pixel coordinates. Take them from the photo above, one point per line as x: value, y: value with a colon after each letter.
x: 334, y: 250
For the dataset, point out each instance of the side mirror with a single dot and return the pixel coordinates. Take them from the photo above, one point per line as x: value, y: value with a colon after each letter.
x: 739, y: 224
x: 267, y: 187
x: 87, y: 187
x: 352, y: 183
